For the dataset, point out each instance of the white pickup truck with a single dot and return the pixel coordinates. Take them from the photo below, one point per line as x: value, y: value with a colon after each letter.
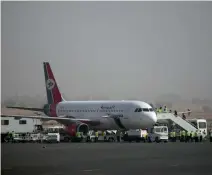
x: 159, y: 134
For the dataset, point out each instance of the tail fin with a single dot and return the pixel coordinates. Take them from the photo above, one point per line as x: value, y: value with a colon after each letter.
x: 53, y: 93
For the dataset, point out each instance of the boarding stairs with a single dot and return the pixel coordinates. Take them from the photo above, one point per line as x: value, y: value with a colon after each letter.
x: 177, y: 120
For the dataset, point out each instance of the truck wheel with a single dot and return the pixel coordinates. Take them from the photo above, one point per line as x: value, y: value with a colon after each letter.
x: 66, y: 139
x: 157, y: 140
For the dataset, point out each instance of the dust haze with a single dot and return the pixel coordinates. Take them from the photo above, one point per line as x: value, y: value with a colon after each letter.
x: 108, y: 50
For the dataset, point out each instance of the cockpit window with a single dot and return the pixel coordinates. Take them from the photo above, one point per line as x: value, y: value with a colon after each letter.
x: 138, y: 109
x: 145, y: 109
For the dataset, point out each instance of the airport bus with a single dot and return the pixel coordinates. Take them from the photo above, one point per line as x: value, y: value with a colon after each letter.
x: 200, y: 124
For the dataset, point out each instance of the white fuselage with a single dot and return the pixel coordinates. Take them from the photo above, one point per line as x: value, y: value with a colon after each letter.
x: 122, y: 113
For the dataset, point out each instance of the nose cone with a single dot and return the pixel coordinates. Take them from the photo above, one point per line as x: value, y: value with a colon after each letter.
x: 152, y: 118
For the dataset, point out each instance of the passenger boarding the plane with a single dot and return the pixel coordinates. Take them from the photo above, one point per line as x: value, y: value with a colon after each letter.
x: 189, y: 112
x: 165, y: 109
x: 175, y: 113
x: 160, y: 110
x: 183, y: 116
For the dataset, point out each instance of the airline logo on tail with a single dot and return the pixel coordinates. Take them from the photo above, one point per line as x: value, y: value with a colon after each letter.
x: 50, y: 83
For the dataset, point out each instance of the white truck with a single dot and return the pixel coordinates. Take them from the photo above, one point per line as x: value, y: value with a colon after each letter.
x: 134, y: 135
x: 21, y: 126
x: 51, y: 138
x: 159, y: 134
x: 109, y: 137
x: 58, y: 132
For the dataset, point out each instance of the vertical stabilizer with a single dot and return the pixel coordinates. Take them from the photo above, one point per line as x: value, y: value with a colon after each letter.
x: 53, y: 93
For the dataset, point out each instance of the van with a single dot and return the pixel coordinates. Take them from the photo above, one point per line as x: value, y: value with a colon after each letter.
x: 159, y: 134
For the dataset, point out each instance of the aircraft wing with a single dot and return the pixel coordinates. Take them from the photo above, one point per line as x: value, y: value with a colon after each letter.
x: 29, y: 109
x: 63, y: 120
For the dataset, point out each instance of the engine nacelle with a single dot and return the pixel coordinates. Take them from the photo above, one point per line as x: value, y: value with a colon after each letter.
x: 73, y: 128
x: 82, y: 127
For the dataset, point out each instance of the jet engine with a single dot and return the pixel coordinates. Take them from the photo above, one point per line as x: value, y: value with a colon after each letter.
x: 73, y: 128
x: 82, y: 127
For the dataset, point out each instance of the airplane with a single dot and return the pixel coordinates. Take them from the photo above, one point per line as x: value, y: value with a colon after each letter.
x: 82, y: 116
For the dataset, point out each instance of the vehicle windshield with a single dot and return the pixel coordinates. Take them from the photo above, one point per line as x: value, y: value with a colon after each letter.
x: 52, y: 130
x: 51, y: 136
x: 157, y: 129
x: 202, y: 125
x: 165, y: 129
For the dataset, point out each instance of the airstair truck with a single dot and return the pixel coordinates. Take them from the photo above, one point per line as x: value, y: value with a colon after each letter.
x: 183, y: 124
x: 191, y: 125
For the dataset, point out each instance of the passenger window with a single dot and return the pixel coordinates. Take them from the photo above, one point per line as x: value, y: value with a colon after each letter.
x: 4, y: 122
x: 22, y: 122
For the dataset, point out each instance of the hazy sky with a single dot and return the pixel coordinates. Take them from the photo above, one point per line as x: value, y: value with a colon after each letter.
x: 108, y: 49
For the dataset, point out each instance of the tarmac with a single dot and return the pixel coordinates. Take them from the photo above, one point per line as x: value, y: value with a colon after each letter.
x: 107, y: 158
